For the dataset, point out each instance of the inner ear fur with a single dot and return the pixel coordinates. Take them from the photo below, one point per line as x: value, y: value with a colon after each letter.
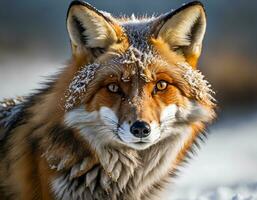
x: 183, y: 30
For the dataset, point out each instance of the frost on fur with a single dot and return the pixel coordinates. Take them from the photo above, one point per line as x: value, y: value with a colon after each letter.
x: 200, y: 88
x: 133, y: 56
x: 138, y: 59
x: 79, y: 84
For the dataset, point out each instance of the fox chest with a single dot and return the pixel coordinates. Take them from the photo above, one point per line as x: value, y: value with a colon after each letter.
x: 98, y: 185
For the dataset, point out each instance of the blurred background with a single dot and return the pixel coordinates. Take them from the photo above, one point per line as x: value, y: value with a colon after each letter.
x: 34, y: 43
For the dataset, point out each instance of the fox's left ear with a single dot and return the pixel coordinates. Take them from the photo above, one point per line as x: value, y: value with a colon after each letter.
x: 91, y: 31
x: 183, y: 30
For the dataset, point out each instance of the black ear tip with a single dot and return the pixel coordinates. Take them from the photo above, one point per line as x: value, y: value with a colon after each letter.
x: 195, y: 3
x: 80, y: 3
x: 187, y: 5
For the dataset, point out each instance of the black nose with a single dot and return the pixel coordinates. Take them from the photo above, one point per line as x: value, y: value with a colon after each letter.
x: 140, y: 129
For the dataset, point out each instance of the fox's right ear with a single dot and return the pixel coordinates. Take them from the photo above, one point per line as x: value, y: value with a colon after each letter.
x: 183, y: 30
x: 90, y: 30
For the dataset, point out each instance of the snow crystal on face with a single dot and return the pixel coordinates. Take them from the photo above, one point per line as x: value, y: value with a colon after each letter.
x: 140, y: 52
x: 200, y: 87
x: 138, y: 59
x: 79, y: 84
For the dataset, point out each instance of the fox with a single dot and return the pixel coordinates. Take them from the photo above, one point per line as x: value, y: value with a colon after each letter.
x: 120, y: 119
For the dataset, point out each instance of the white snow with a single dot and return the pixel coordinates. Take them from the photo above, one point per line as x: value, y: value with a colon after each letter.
x: 225, y: 167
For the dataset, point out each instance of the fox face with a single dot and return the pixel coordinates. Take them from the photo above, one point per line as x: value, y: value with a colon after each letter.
x: 136, y: 81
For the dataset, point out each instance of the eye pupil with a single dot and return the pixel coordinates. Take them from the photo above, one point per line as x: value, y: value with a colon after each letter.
x: 161, y: 85
x: 113, y: 88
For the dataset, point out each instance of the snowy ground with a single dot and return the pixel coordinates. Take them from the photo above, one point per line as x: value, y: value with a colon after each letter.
x: 225, y: 167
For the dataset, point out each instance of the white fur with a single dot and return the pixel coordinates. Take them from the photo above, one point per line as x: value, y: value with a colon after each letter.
x: 169, y: 113
x: 108, y: 117
x: 96, y: 127
x: 168, y: 118
x: 79, y: 116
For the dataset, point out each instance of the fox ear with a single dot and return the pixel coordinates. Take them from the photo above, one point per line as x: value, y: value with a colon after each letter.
x: 183, y: 30
x: 89, y: 29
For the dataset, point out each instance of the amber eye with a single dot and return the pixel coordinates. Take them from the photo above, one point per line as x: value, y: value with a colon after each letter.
x: 161, y: 85
x: 113, y: 87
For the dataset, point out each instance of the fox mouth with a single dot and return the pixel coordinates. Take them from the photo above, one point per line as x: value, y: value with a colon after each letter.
x: 140, y: 145
x: 141, y: 142
x: 137, y: 143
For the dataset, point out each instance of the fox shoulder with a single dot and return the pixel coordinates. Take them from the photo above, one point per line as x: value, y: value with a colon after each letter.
x: 9, y: 112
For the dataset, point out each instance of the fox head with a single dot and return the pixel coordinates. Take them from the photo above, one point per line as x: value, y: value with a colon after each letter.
x: 134, y: 80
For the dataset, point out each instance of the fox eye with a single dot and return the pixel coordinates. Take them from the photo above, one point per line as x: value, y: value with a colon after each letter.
x: 161, y: 85
x: 114, y: 88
